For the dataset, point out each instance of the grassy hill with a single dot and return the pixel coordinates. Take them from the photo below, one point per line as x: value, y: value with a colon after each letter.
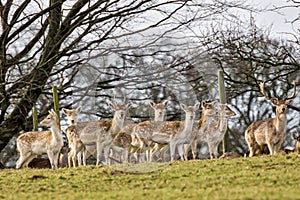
x: 264, y: 177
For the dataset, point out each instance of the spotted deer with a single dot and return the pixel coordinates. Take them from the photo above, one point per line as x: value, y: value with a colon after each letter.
x: 74, y: 142
x: 31, y: 144
x: 202, y: 126
x: 72, y: 114
x: 216, y: 131
x: 270, y: 131
x: 126, y: 142
x: 77, y: 147
x: 173, y: 133
x: 97, y: 135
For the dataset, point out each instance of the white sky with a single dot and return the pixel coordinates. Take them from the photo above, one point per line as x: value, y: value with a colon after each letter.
x: 279, y: 21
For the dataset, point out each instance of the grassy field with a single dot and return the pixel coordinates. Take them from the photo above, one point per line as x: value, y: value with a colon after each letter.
x: 264, y: 177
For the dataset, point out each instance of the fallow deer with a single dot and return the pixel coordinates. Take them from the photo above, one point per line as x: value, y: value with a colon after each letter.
x: 126, y: 142
x: 174, y: 133
x: 31, y: 144
x: 296, y: 136
x: 75, y: 144
x: 77, y: 147
x: 201, y: 126
x: 217, y: 130
x: 270, y: 131
x: 98, y: 135
x: 72, y: 114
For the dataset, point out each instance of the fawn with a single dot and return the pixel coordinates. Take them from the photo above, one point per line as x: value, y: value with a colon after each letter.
x: 31, y: 144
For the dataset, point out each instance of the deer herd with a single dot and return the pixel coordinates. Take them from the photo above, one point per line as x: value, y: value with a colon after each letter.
x: 117, y: 140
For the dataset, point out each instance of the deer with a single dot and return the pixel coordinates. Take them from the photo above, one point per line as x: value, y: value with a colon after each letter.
x: 296, y: 137
x: 173, y: 133
x: 77, y: 147
x: 201, y: 126
x: 72, y: 114
x: 270, y: 131
x: 32, y: 144
x: 97, y: 135
x: 75, y: 144
x: 216, y: 131
x: 126, y: 142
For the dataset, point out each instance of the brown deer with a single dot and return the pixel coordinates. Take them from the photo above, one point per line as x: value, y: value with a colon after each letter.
x: 31, y: 144
x: 270, y: 131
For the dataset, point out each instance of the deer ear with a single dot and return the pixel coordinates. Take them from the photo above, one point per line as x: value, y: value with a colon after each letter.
x: 202, y: 104
x: 65, y: 111
x: 166, y: 102
x: 112, y: 105
x: 197, y: 105
x: 289, y: 101
x: 183, y: 106
x: 152, y: 104
x: 129, y: 104
x: 274, y: 101
x: 78, y: 110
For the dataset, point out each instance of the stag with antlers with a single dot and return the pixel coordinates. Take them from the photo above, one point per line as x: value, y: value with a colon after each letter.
x: 270, y: 131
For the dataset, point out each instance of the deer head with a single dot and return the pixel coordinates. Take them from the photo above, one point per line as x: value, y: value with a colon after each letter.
x: 159, y: 109
x: 281, y: 104
x: 72, y: 114
x: 50, y: 120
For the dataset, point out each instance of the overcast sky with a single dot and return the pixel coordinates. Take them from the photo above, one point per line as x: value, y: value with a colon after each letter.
x: 278, y: 21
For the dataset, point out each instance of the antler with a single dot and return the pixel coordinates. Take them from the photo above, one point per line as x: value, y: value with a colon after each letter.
x: 262, y: 90
x: 294, y: 94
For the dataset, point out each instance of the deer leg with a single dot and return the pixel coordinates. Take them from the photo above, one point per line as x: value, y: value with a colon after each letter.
x: 55, y: 157
x: 106, y: 155
x: 79, y: 156
x: 21, y: 160
x: 69, y: 159
x: 28, y: 160
x: 51, y: 158
x: 210, y: 148
x: 172, y: 150
x: 180, y: 151
x: 271, y: 148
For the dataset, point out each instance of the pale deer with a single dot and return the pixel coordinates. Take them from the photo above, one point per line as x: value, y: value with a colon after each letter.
x: 126, y: 142
x: 216, y: 131
x: 77, y: 147
x: 72, y: 114
x: 201, y: 126
x: 75, y: 144
x: 98, y: 135
x: 270, y: 131
x: 174, y: 133
x: 31, y: 144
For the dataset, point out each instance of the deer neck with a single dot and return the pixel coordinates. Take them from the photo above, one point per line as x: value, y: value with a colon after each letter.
x: 116, y: 124
x: 159, y: 118
x: 56, y: 132
x: 204, y: 121
x: 188, y: 124
x: 222, y: 122
x: 280, y: 122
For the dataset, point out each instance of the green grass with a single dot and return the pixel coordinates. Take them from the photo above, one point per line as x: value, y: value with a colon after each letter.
x: 264, y: 177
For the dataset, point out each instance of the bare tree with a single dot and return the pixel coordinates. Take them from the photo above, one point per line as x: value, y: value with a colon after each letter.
x: 49, y: 43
